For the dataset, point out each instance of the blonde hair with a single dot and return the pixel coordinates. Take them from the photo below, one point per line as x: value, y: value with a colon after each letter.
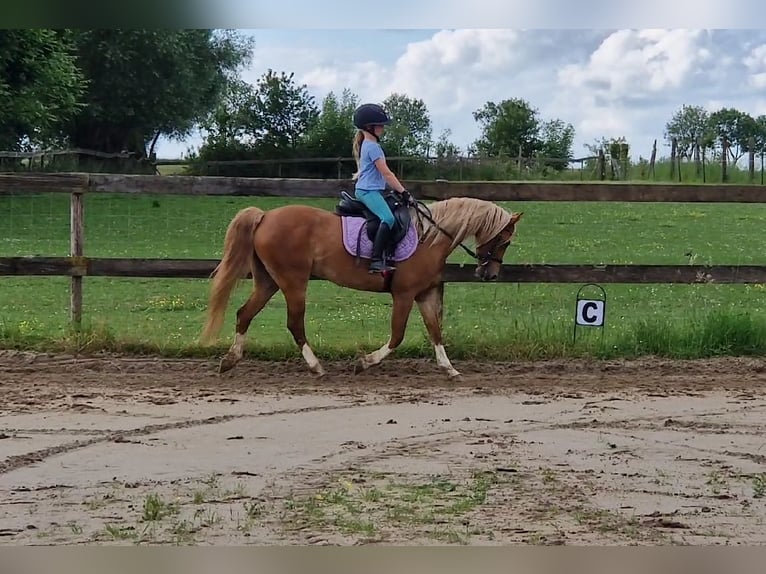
x: 356, y: 146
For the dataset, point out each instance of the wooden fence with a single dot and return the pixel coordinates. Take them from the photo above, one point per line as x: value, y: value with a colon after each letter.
x: 77, y: 265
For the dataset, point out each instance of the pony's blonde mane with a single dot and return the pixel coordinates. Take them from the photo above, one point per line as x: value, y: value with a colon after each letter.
x: 463, y: 217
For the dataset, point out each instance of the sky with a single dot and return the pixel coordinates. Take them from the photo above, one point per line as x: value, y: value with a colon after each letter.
x: 617, y: 82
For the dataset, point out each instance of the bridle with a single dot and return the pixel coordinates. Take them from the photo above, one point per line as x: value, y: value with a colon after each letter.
x: 494, y: 244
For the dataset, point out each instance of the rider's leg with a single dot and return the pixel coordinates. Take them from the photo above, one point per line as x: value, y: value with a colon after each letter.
x: 375, y: 203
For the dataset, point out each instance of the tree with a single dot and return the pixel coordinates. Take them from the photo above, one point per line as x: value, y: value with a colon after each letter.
x: 556, y: 139
x: 444, y: 148
x: 331, y: 134
x: 227, y: 126
x: 283, y: 114
x: 736, y: 126
x: 508, y: 127
x: 410, y: 132
x: 759, y: 133
x: 147, y: 83
x: 690, y: 126
x: 269, y: 120
x: 40, y: 86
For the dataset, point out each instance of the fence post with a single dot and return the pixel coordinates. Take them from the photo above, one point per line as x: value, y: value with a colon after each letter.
x: 751, y: 157
x: 724, y: 151
x: 673, y: 148
x: 704, y: 172
x: 697, y: 161
x: 601, y: 165
x: 76, y: 235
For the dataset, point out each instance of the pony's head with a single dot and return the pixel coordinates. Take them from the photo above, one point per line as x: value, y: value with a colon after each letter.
x: 491, y: 226
x: 491, y: 253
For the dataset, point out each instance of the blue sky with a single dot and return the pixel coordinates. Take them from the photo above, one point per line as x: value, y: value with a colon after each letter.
x: 606, y: 82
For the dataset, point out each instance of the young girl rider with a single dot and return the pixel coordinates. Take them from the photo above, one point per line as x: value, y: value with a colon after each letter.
x: 372, y: 175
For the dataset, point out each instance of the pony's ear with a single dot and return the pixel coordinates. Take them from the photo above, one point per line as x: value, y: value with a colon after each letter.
x: 516, y: 216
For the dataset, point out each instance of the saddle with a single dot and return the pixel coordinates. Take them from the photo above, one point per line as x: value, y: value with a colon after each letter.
x: 349, y: 206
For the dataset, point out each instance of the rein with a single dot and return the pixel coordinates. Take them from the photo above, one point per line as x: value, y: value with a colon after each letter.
x: 425, y: 212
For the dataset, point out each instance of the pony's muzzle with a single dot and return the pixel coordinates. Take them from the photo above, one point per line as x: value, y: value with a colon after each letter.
x: 483, y: 273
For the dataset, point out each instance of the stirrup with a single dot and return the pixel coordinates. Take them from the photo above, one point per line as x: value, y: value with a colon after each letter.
x: 380, y: 267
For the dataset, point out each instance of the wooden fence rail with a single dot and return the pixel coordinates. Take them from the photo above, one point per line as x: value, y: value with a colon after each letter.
x: 427, y: 190
x: 79, y: 185
x: 454, y: 272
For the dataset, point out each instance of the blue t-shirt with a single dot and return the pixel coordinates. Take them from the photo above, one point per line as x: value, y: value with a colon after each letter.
x: 369, y: 176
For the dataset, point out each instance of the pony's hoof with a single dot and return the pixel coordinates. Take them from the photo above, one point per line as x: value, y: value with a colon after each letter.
x: 455, y: 376
x: 360, y: 366
x: 227, y: 363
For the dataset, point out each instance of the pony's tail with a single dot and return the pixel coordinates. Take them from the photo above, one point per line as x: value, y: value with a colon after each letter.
x: 238, y: 257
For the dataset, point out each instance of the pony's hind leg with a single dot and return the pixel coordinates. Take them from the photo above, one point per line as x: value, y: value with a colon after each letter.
x: 264, y: 290
x: 295, y: 298
x: 430, y: 303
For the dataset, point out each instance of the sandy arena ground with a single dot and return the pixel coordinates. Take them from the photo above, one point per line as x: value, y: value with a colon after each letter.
x: 111, y: 450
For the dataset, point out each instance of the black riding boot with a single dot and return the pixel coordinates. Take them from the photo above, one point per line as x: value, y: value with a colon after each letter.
x: 378, y: 247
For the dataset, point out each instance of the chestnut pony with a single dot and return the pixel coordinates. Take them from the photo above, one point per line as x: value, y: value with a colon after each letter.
x: 282, y: 248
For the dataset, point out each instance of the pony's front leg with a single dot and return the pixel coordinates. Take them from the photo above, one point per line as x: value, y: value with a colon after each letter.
x: 402, y: 305
x: 430, y: 303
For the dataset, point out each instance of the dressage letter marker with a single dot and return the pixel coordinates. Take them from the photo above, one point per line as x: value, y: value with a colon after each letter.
x: 589, y: 312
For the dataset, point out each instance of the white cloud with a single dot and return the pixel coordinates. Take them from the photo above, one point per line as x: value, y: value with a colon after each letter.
x: 444, y: 70
x: 454, y: 72
x: 755, y: 62
x: 362, y: 78
x: 449, y: 68
x: 632, y: 74
x: 630, y: 62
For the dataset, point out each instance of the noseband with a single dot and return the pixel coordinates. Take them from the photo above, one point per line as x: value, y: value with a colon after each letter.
x: 490, y: 254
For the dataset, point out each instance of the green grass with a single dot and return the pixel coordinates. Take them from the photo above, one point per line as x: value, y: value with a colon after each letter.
x: 369, y: 508
x: 500, y: 321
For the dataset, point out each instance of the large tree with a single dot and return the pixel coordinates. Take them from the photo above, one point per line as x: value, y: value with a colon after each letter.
x: 736, y: 126
x: 556, y: 138
x: 147, y: 83
x: 690, y: 126
x: 228, y: 126
x: 40, y: 86
x: 410, y: 131
x: 331, y: 134
x: 507, y: 127
x: 282, y: 115
x: 275, y: 118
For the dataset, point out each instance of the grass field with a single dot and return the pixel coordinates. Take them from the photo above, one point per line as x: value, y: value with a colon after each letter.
x: 481, y: 320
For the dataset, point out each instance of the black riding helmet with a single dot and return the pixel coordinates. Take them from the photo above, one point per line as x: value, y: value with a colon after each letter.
x: 368, y: 115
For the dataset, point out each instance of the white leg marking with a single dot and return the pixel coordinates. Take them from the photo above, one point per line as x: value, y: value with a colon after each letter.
x: 376, y: 356
x: 234, y: 355
x: 443, y: 361
x: 238, y: 346
x: 311, y: 359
